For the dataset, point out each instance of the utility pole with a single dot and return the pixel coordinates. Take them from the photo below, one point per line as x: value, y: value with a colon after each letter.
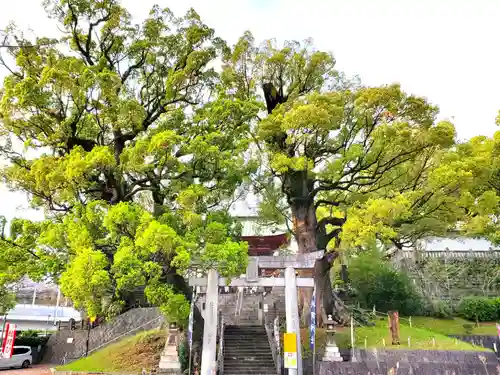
x: 88, y: 337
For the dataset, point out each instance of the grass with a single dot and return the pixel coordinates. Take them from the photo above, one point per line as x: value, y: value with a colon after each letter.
x: 425, y: 334
x: 129, y: 355
x: 454, y: 326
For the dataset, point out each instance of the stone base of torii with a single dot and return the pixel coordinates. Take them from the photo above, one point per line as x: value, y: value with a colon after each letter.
x: 290, y: 282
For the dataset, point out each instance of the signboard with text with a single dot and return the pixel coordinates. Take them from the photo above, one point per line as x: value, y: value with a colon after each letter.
x: 8, y: 341
x: 290, y: 350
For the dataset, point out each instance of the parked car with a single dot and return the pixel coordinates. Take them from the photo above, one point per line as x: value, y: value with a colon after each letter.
x: 21, y: 357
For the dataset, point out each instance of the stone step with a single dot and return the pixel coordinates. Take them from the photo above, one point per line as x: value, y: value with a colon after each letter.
x: 246, y: 330
x: 246, y: 348
x: 238, y: 344
x: 260, y: 371
x: 245, y: 344
x: 248, y: 365
x: 255, y: 337
x: 251, y: 356
x: 250, y: 372
x: 249, y: 359
x: 248, y: 352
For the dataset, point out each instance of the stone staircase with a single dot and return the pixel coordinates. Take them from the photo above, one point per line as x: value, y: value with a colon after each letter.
x: 249, y: 313
x: 247, y: 351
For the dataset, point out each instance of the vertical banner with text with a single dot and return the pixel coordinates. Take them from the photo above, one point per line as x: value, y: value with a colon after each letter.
x: 191, y: 319
x: 312, y: 333
x: 9, y: 339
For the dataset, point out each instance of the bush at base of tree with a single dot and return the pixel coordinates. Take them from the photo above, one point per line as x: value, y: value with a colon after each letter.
x: 437, y: 308
x: 377, y: 283
x: 31, y: 341
x: 481, y: 309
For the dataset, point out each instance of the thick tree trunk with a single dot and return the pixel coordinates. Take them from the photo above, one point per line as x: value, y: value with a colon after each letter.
x: 304, y: 223
x: 308, y: 238
x: 297, y: 185
x: 181, y: 286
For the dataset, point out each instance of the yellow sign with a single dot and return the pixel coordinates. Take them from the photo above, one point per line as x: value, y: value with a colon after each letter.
x: 290, y: 350
x: 290, y: 360
x: 92, y: 319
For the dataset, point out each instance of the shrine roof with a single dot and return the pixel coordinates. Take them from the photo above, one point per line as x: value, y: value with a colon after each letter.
x: 252, y: 228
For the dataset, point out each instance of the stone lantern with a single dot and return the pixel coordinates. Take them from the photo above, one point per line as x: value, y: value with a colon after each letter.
x: 169, y: 362
x: 332, y: 353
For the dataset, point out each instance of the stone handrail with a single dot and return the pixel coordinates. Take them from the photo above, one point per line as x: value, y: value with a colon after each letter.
x: 67, y: 359
x: 272, y: 330
x: 220, y: 359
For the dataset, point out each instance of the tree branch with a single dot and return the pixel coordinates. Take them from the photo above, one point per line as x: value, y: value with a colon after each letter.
x: 326, y: 203
x: 12, y: 243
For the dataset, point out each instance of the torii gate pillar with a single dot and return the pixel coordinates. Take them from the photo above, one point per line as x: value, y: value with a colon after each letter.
x: 292, y: 315
x: 208, y: 354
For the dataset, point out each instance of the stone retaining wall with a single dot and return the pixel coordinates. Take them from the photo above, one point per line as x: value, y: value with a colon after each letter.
x: 406, y: 362
x: 479, y: 340
x: 346, y: 368
x: 135, y: 320
x: 424, y: 356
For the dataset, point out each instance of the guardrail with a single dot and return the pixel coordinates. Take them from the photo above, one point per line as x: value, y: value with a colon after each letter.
x: 220, y: 359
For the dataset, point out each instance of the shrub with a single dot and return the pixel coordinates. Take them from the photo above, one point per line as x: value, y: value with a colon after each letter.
x: 28, y: 333
x: 31, y: 341
x: 468, y: 327
x: 377, y: 283
x: 482, y: 309
x: 439, y: 309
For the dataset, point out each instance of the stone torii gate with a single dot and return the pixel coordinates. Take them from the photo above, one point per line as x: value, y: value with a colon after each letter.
x: 290, y: 282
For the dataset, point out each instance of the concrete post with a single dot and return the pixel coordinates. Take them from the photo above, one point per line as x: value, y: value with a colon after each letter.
x: 169, y: 360
x: 208, y: 354
x: 260, y: 311
x: 292, y: 315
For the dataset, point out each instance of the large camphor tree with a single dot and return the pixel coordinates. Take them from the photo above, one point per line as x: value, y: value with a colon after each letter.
x: 343, y: 164
x: 108, y: 116
x: 114, y: 114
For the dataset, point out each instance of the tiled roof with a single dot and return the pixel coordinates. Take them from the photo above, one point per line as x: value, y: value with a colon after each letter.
x: 252, y: 228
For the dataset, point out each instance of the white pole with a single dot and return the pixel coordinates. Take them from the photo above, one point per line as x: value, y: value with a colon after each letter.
x: 57, y: 304
x: 292, y: 315
x: 352, y: 337
x: 208, y: 354
x: 34, y: 297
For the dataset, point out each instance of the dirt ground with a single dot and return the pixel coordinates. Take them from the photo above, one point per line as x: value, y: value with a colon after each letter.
x: 35, y: 370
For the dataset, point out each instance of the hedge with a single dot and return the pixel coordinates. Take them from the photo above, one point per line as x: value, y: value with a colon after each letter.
x: 482, y: 309
x: 31, y: 341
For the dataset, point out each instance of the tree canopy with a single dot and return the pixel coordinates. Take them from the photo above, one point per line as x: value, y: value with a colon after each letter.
x: 166, y: 112
x: 113, y: 110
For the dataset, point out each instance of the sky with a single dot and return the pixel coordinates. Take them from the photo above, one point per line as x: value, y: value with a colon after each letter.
x: 445, y: 50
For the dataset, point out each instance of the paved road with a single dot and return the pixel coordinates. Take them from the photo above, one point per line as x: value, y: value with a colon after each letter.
x: 35, y: 370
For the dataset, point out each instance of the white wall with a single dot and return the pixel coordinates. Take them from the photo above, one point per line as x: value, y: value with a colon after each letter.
x: 24, y: 325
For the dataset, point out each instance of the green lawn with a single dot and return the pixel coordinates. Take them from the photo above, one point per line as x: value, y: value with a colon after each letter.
x: 451, y: 326
x: 425, y: 334
x: 129, y: 355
